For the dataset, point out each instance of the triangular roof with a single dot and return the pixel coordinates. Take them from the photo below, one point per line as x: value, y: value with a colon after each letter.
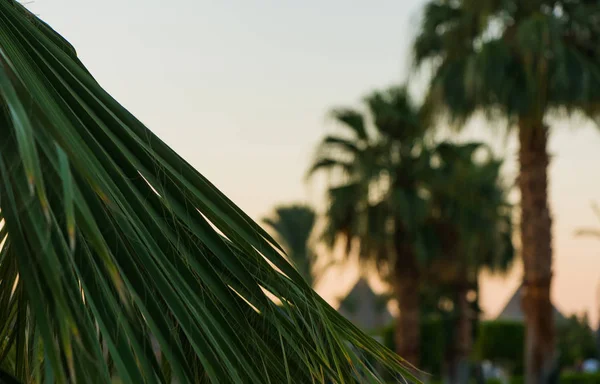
x: 512, y: 310
x: 364, y: 307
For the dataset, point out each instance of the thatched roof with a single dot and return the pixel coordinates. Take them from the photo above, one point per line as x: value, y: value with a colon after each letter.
x: 512, y: 310
x: 364, y: 307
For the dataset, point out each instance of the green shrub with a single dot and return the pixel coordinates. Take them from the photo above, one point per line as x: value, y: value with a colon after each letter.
x: 580, y: 378
x: 493, y: 381
x: 517, y: 380
x: 565, y: 378
x: 501, y: 342
x: 576, y: 340
x: 433, y: 341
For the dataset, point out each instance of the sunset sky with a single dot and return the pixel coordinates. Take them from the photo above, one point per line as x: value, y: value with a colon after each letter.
x: 240, y: 88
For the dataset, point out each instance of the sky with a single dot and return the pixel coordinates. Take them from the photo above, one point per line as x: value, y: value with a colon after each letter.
x: 241, y: 89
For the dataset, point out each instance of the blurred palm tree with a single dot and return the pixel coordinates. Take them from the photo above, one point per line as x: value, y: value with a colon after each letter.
x: 111, y: 245
x: 473, y: 220
x: 375, y: 203
x: 521, y: 60
x: 293, y: 226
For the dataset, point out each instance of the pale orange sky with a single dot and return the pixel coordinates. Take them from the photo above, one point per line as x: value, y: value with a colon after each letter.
x: 240, y: 88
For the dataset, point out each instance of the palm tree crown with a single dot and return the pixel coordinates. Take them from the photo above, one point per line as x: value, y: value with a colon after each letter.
x: 471, y: 208
x: 373, y: 167
x: 514, y: 57
x: 293, y: 226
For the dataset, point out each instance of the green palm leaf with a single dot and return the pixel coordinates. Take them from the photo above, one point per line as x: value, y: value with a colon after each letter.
x: 120, y: 260
x: 471, y: 200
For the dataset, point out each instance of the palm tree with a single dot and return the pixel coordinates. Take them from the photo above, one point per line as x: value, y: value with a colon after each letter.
x: 110, y: 241
x: 374, y: 197
x: 474, y: 223
x: 293, y: 226
x: 522, y: 60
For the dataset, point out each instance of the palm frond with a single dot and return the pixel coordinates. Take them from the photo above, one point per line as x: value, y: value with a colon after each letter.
x: 114, y: 244
x: 471, y: 200
x: 395, y: 115
x: 330, y: 164
x: 352, y: 120
x: 588, y: 232
x: 333, y: 142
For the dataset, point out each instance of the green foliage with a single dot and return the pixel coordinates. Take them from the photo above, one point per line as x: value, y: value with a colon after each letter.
x: 387, y: 187
x: 434, y: 338
x: 579, y: 378
x: 374, y: 167
x: 112, y: 243
x: 517, y: 380
x: 502, y: 342
x: 439, y: 212
x: 565, y: 378
x: 521, y: 58
x: 576, y: 341
x: 293, y: 226
x: 470, y: 210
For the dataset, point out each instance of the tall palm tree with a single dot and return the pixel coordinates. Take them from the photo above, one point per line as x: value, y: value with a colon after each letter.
x: 522, y: 60
x: 374, y: 197
x: 111, y: 242
x: 293, y: 226
x: 473, y: 218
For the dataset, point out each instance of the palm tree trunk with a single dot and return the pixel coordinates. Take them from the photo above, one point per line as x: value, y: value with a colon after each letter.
x: 408, y: 325
x: 536, y: 242
x: 463, y: 338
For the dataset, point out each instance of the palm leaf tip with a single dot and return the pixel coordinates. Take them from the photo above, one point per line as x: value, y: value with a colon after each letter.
x: 124, y: 245
x: 352, y: 120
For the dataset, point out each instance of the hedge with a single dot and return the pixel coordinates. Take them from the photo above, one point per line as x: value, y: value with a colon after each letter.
x: 502, y: 342
x: 580, y: 378
x: 565, y: 378
x: 433, y: 343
